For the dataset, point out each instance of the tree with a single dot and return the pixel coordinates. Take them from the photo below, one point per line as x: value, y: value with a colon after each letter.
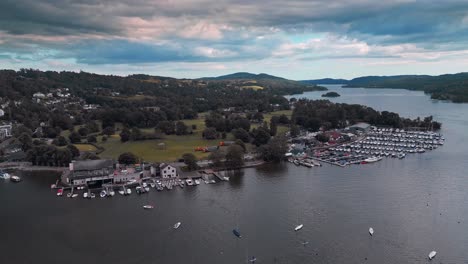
x: 273, y: 128
x: 91, y: 139
x: 191, y: 161
x: 167, y: 127
x: 210, y: 133
x: 125, y: 135
x: 74, y: 137
x: 181, y: 128
x: 283, y: 119
x: 92, y: 127
x: 135, y: 134
x: 261, y: 136
x: 60, y: 141
x: 274, y: 150
x: 241, y: 143
x: 109, y: 131
x: 194, y: 127
x: 25, y: 140
x: 223, y: 135
x: 234, y: 157
x: 322, y: 137
x: 128, y: 158
x: 75, y: 152
x: 217, y: 158
x: 241, y: 134
x: 89, y: 156
x: 104, y: 139
x: 258, y: 116
x: 83, y: 131
x: 294, y: 131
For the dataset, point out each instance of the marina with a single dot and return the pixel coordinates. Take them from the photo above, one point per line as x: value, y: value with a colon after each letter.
x: 375, y: 145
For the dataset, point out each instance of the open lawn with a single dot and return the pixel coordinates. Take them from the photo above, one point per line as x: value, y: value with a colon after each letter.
x: 173, y: 146
x: 86, y: 147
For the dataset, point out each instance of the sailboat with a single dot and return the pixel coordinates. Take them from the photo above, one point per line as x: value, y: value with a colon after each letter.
x: 299, y: 227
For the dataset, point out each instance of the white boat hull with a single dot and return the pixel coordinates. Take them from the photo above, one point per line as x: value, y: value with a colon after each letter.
x: 299, y: 227
x: 432, y: 254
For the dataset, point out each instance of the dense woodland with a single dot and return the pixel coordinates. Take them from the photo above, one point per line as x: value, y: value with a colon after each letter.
x: 453, y: 87
x: 314, y: 115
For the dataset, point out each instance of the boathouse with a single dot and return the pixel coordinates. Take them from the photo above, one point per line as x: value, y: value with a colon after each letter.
x: 168, y: 171
x: 85, y: 171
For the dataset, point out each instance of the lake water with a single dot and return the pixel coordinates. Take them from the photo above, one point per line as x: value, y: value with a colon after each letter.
x: 415, y: 205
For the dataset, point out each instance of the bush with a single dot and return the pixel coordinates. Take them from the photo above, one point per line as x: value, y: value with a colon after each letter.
x: 128, y: 158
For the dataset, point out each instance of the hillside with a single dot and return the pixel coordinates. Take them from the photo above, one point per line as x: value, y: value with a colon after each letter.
x: 325, y: 81
x: 277, y: 85
x: 453, y: 87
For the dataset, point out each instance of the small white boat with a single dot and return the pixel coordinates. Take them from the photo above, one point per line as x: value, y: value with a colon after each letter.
x: 177, y: 225
x: 129, y: 191
x: 299, y: 227
x: 59, y: 192
x: 372, y: 159
x: 147, y: 189
x: 74, y: 195
x: 122, y: 192
x: 153, y: 185
x: 85, y: 195
x: 111, y: 193
x: 69, y: 195
x: 432, y: 254
x: 148, y: 206
x: 189, y: 182
x: 197, y: 182
x: 371, y: 231
x: 103, y: 193
x: 15, y: 178
x: 92, y: 195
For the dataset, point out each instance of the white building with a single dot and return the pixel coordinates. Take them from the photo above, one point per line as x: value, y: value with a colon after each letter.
x: 5, y: 131
x: 167, y: 171
x: 39, y: 95
x: 2, y: 113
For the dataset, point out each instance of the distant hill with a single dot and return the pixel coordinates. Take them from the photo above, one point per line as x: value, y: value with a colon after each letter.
x: 279, y: 85
x: 452, y: 87
x: 243, y: 76
x: 325, y: 81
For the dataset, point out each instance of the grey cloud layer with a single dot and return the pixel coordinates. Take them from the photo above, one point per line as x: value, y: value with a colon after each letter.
x: 106, y: 31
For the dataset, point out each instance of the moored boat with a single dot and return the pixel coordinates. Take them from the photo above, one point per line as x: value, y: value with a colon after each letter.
x: 15, y: 178
x: 148, y: 206
x: 299, y: 227
x: 103, y: 193
x: 371, y: 231
x: 236, y: 233
x: 177, y: 225
x: 432, y: 255
x: 59, y: 192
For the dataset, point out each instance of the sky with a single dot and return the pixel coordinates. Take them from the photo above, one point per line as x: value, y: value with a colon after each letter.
x: 295, y: 39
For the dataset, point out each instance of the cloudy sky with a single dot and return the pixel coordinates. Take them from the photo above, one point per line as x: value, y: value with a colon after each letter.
x: 297, y: 39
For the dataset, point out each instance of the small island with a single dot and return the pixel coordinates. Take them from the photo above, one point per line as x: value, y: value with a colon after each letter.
x: 331, y: 94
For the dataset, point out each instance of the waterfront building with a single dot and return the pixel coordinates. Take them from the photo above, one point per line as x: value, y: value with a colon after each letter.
x: 168, y: 171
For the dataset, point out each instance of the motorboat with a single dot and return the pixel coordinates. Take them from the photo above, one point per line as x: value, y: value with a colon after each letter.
x: 59, y: 192
x: 236, y: 233
x: 401, y: 155
x: 122, y: 192
x: 252, y: 259
x: 103, y: 193
x: 92, y: 195
x: 371, y: 231
x: 111, y: 193
x: 432, y: 255
x: 15, y: 178
x: 86, y: 195
x: 69, y: 195
x: 74, y: 195
x: 129, y: 191
x: 153, y: 185
x: 189, y: 182
x: 148, y: 207
x: 299, y: 227
x: 197, y: 182
x: 372, y: 159
x: 177, y: 225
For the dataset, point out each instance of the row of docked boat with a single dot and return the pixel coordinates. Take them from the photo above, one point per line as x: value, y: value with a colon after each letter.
x: 309, y: 163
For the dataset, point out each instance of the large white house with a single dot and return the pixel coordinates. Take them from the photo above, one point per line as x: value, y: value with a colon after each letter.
x: 167, y: 171
x: 5, y: 131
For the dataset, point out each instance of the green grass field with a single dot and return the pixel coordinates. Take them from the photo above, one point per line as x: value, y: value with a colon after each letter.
x: 86, y: 147
x: 174, y: 146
